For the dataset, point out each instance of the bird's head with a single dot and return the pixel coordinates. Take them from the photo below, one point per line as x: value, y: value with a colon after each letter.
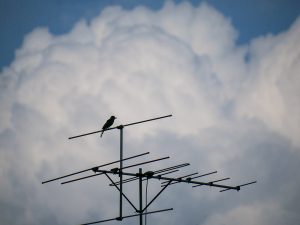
x: 113, y: 117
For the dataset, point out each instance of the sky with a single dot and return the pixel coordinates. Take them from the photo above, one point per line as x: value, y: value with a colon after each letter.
x: 228, y: 74
x: 251, y: 18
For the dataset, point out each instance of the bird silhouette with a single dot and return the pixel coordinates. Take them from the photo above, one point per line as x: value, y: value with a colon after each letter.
x: 108, y: 123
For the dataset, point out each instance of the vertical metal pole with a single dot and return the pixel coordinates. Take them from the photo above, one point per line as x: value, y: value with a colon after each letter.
x: 121, y: 166
x: 141, y: 197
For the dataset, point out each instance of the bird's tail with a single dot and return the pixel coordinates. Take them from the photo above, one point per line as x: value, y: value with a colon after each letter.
x: 101, y: 133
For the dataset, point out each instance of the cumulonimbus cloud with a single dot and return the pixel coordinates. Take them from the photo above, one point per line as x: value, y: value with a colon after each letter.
x: 139, y: 64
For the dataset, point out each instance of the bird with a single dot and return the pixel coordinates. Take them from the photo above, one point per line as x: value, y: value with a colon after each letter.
x: 108, y: 123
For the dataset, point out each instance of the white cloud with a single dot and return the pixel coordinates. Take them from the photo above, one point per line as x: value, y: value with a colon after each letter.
x: 235, y: 116
x: 272, y: 90
x: 267, y: 213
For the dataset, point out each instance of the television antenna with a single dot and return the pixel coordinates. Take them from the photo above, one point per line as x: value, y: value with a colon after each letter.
x: 158, y: 174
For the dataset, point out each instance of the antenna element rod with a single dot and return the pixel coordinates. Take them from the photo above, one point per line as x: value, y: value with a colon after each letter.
x: 93, y: 168
x: 129, y: 124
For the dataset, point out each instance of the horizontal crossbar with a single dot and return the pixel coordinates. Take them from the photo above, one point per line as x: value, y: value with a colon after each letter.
x: 129, y: 124
x: 124, y: 217
x: 176, y: 179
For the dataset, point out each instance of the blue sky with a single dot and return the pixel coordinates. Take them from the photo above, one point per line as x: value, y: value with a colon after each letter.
x: 19, y: 17
x: 227, y: 71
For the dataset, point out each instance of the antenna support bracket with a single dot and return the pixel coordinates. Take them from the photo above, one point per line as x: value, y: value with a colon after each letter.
x: 115, y: 170
x: 120, y: 127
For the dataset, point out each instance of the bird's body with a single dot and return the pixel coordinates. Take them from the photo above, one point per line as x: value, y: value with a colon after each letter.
x: 108, y: 123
